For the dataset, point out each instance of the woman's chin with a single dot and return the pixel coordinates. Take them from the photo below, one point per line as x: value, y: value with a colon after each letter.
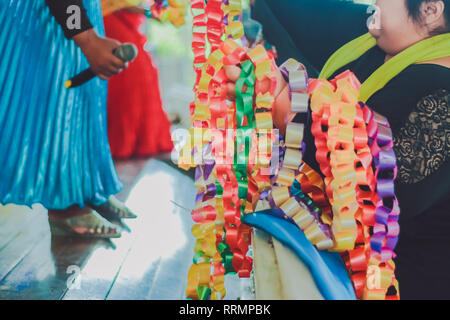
x: 375, y: 32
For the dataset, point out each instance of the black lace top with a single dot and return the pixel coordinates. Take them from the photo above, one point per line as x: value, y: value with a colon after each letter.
x: 422, y: 145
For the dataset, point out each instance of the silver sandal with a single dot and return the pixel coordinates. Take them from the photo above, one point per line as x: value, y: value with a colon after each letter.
x: 114, y: 209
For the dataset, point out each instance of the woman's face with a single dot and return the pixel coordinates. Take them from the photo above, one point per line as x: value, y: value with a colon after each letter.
x: 394, y: 29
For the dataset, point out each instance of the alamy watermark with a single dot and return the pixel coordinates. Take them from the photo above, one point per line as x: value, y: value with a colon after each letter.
x: 257, y: 147
x: 373, y: 281
x: 374, y: 21
x: 74, y: 279
x: 73, y: 22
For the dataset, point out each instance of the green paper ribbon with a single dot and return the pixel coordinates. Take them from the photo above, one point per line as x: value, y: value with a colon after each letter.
x: 296, y: 190
x: 227, y: 257
x: 244, y: 109
x: 198, y: 256
x: 219, y: 188
x: 203, y: 292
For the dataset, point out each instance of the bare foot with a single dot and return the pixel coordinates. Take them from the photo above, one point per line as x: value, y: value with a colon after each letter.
x: 85, y: 222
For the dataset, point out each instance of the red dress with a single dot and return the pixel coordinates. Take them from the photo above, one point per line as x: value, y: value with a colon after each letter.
x: 137, y: 123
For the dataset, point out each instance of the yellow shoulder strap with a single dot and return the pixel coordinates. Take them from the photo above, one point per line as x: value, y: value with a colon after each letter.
x: 347, y: 53
x: 425, y: 50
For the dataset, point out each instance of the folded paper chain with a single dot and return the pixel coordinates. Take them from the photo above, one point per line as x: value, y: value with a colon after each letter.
x: 227, y: 190
x: 364, y: 228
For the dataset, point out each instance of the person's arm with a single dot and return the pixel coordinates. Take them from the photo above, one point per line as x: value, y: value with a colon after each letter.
x: 98, y: 50
x: 136, y: 9
x: 317, y: 27
x: 422, y: 151
x: 275, y: 34
x: 281, y: 111
x: 62, y: 10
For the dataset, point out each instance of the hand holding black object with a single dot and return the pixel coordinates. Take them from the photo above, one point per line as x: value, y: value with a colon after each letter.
x: 99, y: 53
x: 124, y: 53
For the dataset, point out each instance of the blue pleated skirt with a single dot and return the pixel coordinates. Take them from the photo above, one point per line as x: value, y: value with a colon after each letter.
x: 54, y: 147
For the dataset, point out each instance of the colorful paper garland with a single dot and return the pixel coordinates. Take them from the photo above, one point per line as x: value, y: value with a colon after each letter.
x: 364, y: 229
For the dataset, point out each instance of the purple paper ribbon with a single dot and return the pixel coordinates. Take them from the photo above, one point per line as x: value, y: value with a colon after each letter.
x: 386, y: 228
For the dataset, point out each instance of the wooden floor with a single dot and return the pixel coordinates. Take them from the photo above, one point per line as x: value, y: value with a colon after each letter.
x: 150, y: 262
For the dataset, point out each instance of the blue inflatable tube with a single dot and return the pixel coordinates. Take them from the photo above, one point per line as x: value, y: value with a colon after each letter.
x: 327, y: 268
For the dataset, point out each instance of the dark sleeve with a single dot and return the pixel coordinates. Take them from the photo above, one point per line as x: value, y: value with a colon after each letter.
x: 275, y: 34
x: 422, y: 149
x: 59, y: 9
x: 317, y: 27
